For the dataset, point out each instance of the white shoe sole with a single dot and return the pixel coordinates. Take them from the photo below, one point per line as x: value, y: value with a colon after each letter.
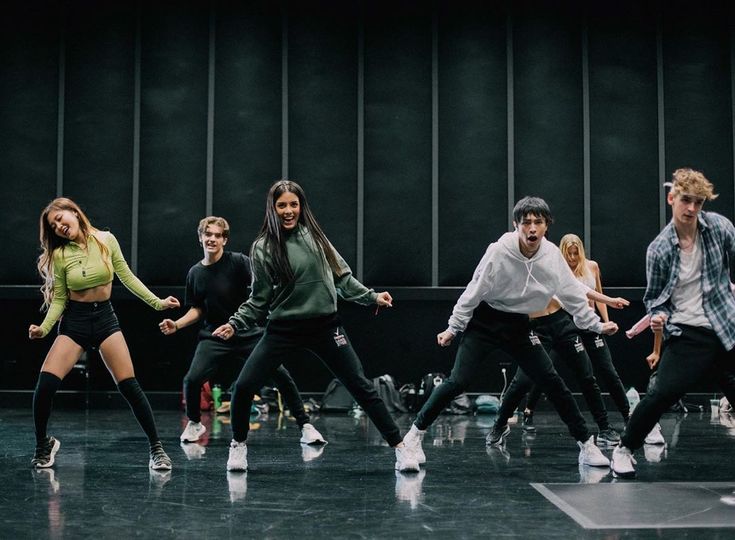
x: 155, y: 467
x: 408, y: 467
x: 312, y: 442
x: 624, y: 475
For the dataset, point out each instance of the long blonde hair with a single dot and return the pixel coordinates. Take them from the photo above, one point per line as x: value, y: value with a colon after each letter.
x: 50, y: 242
x: 569, y: 240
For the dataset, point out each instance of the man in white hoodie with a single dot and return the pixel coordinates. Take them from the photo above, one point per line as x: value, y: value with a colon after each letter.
x: 518, y: 275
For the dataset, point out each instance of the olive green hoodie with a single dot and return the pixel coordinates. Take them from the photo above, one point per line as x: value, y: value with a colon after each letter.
x: 313, y: 291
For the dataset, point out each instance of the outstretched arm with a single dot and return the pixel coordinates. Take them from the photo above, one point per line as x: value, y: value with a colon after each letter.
x: 169, y: 326
x: 617, y: 302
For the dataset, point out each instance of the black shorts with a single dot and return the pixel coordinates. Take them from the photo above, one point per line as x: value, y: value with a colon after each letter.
x: 88, y: 323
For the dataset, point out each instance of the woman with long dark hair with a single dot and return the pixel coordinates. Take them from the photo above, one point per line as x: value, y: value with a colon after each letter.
x: 77, y: 264
x: 297, y: 275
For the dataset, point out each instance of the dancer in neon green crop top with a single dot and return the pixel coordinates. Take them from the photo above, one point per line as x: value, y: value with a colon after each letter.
x: 78, y: 263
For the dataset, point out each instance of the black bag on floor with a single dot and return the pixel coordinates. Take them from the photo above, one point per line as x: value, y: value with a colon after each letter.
x: 426, y: 387
x: 336, y: 398
x: 407, y: 392
x: 462, y: 404
x: 388, y: 392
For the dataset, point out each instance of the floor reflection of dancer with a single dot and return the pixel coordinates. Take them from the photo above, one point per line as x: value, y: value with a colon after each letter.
x: 215, y: 287
x: 78, y: 263
x: 297, y: 275
x: 689, y: 299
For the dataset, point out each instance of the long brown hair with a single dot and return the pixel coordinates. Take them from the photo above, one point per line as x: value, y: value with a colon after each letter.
x: 50, y: 241
x: 274, y: 238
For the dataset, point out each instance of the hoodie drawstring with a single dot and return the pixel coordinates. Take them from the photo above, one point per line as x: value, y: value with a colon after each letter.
x: 529, y: 268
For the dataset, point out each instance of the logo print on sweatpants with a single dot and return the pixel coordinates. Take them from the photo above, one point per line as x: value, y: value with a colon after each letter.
x: 533, y: 338
x: 340, y: 339
x: 599, y: 343
x: 578, y: 346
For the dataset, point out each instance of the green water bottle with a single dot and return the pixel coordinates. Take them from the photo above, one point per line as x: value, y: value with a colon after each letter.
x: 217, y: 396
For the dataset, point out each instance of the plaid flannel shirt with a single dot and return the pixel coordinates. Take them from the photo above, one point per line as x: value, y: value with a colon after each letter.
x: 717, y: 235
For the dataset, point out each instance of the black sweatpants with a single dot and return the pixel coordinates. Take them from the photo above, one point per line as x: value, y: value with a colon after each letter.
x: 604, y: 370
x: 492, y: 333
x: 327, y: 340
x: 558, y: 334
x: 685, y: 359
x: 212, y: 354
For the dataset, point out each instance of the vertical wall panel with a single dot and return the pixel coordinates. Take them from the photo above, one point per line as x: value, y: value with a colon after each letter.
x: 398, y: 148
x: 472, y: 137
x: 698, y: 105
x: 322, y: 76
x: 247, y: 123
x: 548, y: 114
x: 98, y: 127
x: 173, y: 140
x: 624, y: 145
x: 29, y: 56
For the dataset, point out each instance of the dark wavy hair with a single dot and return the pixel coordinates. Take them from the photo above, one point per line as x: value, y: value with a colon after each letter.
x: 274, y: 237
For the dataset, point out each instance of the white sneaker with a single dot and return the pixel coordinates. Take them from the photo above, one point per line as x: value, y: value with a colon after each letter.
x: 413, y: 440
x: 655, y: 436
x: 238, y: 459
x: 590, y: 454
x: 622, y: 462
x: 654, y: 453
x: 310, y: 435
x: 192, y: 432
x: 406, y: 460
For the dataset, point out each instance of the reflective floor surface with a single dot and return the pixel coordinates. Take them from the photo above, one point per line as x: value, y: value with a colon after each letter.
x: 101, y: 487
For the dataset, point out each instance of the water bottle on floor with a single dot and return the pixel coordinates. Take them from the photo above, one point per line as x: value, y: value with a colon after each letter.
x: 633, y: 397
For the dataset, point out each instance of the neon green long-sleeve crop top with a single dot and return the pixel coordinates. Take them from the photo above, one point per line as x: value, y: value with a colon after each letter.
x: 77, y: 269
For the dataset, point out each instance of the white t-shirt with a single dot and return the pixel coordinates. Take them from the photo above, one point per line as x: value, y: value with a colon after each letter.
x: 686, y: 298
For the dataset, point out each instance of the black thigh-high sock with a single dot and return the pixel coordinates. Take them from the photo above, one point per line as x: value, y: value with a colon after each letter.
x: 43, y: 400
x: 131, y: 391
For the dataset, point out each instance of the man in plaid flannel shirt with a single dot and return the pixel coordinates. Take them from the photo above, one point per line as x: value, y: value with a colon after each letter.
x: 689, y: 299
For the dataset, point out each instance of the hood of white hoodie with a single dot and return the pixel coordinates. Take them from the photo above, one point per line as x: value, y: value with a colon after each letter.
x: 520, y: 284
x: 508, y: 281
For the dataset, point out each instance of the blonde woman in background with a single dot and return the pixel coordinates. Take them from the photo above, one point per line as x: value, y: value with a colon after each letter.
x: 588, y: 272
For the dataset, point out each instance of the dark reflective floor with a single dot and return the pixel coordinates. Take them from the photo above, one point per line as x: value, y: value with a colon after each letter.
x: 101, y: 485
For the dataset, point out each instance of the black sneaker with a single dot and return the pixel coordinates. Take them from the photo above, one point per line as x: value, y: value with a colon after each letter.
x: 43, y: 457
x: 608, y: 437
x: 159, y: 459
x: 497, y: 436
x: 528, y: 422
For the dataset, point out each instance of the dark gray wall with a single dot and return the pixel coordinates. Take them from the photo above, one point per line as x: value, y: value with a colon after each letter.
x: 413, y: 126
